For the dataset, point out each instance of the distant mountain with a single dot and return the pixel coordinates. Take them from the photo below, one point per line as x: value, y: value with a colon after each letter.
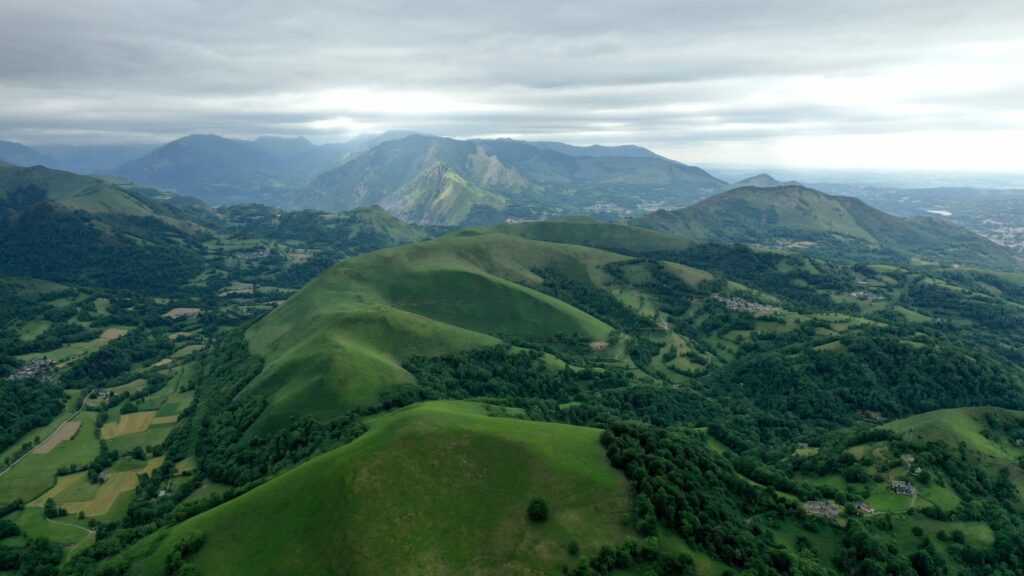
x: 428, y: 179
x: 801, y: 218
x: 629, y: 151
x: 60, y: 226
x: 81, y: 159
x: 214, y: 169
x: 759, y: 181
x: 20, y: 155
x: 222, y: 171
x: 92, y: 158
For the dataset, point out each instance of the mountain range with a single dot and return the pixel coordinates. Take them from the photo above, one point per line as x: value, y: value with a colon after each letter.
x: 434, y: 180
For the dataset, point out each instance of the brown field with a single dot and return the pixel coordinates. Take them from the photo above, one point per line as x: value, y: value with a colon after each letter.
x: 63, y: 482
x: 163, y: 362
x: 112, y: 334
x: 66, y: 431
x: 182, y: 312
x: 117, y: 482
x: 128, y: 424
x: 165, y: 419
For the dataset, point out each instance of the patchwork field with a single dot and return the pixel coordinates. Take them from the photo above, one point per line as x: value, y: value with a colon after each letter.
x: 65, y: 431
x: 128, y: 424
x: 75, y: 493
x: 37, y: 472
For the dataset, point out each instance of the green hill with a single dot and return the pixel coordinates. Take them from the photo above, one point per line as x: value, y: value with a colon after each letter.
x: 587, y: 232
x: 341, y: 340
x: 437, y: 488
x: 797, y: 217
x: 64, y: 227
x: 498, y: 179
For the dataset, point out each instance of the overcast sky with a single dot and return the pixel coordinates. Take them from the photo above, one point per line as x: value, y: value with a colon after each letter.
x: 865, y: 83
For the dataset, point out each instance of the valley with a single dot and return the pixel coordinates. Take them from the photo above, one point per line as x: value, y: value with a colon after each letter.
x: 769, y: 381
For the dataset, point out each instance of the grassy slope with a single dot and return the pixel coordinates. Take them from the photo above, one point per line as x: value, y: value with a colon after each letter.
x: 586, y: 232
x: 953, y: 426
x: 341, y: 340
x: 437, y: 488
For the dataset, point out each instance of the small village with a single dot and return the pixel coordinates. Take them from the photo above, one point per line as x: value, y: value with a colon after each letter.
x: 744, y: 305
x: 34, y: 370
x: 867, y: 296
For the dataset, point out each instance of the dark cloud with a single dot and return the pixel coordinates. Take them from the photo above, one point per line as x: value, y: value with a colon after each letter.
x: 670, y: 74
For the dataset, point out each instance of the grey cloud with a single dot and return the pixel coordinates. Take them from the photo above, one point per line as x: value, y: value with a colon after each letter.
x: 658, y: 72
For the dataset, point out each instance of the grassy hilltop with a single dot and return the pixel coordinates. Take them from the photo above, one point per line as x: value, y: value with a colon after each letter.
x: 438, y: 488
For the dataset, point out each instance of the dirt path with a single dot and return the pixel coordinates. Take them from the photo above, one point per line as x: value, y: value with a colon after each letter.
x: 87, y: 531
x: 52, y: 434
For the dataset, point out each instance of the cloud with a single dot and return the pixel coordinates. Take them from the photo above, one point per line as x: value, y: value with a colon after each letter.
x: 697, y: 80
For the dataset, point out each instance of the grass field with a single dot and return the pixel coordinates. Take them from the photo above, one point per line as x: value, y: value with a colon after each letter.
x: 76, y: 494
x: 437, y: 488
x: 953, y: 426
x: 36, y: 473
x: 44, y: 431
x: 128, y: 424
x: 153, y: 436
x: 63, y: 433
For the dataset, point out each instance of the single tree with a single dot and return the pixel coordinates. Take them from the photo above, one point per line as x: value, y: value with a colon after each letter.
x: 537, y: 511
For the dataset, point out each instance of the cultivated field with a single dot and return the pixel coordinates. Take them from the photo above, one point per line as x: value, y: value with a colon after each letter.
x: 66, y: 431
x: 128, y: 424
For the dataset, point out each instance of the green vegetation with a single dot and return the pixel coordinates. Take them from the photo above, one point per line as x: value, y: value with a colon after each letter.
x: 465, y: 476
x: 569, y: 396
x: 838, y: 227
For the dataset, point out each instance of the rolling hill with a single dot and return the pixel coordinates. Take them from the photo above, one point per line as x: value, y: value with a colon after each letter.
x: 60, y: 226
x: 341, y: 340
x: 490, y: 181
x: 800, y: 218
x: 438, y: 488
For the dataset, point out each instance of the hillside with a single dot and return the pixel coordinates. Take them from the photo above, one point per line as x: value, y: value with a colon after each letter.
x: 500, y: 179
x: 64, y: 227
x: 733, y: 385
x: 438, y: 488
x: 341, y: 340
x: 800, y: 218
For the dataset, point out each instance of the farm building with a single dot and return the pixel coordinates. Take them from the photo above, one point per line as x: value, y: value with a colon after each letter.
x: 820, y: 508
x: 864, y: 508
x: 902, y: 487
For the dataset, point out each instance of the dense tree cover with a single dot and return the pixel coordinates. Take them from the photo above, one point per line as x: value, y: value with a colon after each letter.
x: 143, y: 254
x: 680, y: 483
x: 800, y: 281
x: 39, y: 557
x: 117, y: 358
x: 27, y: 404
x: 218, y: 432
x: 873, y: 369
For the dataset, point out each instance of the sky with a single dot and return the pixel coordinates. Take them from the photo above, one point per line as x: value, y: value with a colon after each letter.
x: 889, y: 84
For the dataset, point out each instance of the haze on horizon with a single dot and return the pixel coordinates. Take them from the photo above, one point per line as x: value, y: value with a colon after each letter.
x: 835, y: 84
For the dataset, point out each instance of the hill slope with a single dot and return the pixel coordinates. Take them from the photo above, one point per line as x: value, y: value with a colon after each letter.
x: 64, y: 227
x: 535, y: 180
x: 799, y: 217
x: 438, y: 488
x: 341, y: 340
